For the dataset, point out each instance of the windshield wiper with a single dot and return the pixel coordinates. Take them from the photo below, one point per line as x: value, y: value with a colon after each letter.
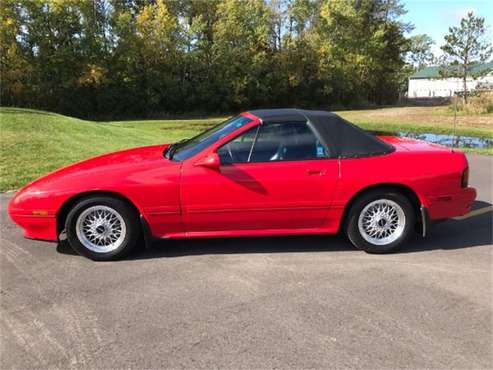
x: 170, y: 151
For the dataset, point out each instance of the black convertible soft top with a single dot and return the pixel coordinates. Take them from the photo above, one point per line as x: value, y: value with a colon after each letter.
x: 343, y: 139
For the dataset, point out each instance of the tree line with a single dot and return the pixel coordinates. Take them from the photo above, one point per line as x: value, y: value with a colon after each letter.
x: 93, y: 58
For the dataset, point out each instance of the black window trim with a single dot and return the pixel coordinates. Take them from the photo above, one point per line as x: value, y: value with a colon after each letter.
x: 214, y: 143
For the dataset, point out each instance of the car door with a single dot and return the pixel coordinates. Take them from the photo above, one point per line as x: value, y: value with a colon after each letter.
x: 275, y: 176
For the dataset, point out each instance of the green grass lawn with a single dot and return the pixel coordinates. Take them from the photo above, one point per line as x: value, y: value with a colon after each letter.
x: 33, y: 143
x: 438, y: 120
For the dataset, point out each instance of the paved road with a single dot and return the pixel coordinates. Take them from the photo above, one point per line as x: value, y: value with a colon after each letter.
x: 296, y: 302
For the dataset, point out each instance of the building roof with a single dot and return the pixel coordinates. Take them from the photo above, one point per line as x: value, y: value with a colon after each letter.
x: 434, y: 71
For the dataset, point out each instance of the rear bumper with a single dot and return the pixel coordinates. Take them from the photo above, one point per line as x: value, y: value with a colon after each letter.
x: 36, y: 227
x: 451, y: 205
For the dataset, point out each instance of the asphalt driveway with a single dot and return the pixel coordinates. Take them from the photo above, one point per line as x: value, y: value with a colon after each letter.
x: 298, y: 302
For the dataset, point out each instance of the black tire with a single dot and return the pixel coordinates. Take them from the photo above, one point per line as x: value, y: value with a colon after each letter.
x: 352, y: 228
x: 127, y: 213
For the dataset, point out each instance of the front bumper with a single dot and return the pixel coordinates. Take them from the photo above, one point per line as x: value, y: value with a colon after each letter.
x: 35, y: 226
x: 451, y: 205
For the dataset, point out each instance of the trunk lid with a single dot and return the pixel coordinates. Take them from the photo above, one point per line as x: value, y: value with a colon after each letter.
x: 408, y: 144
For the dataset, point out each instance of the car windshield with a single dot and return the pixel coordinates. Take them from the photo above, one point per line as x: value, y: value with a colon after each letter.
x: 186, y: 149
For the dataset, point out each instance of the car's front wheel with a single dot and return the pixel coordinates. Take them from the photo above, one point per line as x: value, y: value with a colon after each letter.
x: 380, y: 222
x: 102, y: 228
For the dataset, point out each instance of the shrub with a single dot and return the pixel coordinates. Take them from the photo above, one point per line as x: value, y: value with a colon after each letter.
x: 477, y: 103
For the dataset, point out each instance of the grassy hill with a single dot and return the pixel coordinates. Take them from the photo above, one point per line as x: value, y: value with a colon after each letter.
x: 33, y: 142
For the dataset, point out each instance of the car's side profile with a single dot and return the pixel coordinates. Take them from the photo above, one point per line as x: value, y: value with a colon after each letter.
x: 264, y: 172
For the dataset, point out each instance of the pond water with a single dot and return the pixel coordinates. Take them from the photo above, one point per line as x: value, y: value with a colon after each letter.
x: 447, y: 140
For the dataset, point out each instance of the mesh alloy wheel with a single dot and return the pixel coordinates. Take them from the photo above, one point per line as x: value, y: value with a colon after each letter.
x: 101, y: 229
x: 382, y: 222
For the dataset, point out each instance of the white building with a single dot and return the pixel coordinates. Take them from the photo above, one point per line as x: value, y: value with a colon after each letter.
x: 427, y: 82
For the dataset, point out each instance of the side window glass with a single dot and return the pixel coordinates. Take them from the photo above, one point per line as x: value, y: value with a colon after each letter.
x: 269, y: 143
x: 238, y: 150
x: 287, y: 142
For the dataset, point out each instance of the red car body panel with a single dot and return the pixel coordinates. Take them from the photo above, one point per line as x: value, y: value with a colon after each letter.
x: 181, y: 199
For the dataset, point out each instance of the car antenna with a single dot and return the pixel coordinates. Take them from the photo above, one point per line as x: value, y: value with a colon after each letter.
x: 454, y: 130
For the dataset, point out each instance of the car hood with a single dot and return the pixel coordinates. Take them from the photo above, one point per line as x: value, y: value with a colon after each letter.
x: 124, y: 158
x: 104, y: 167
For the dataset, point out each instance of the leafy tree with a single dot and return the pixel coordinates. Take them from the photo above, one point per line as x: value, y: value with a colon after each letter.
x: 299, y: 78
x: 420, y: 54
x: 199, y: 65
x: 466, y: 45
x: 160, y: 42
x: 16, y: 71
x: 362, y: 46
x: 146, y: 57
x: 243, y: 50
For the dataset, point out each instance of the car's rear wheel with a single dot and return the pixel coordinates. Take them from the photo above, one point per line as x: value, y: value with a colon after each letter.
x: 102, y: 228
x: 380, y: 222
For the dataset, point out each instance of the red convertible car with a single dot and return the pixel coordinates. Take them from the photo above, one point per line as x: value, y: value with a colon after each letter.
x: 264, y: 172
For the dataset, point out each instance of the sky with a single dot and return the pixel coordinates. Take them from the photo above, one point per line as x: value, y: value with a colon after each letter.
x: 434, y: 17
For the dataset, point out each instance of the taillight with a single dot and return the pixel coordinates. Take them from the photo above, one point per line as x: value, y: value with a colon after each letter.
x: 465, y: 178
